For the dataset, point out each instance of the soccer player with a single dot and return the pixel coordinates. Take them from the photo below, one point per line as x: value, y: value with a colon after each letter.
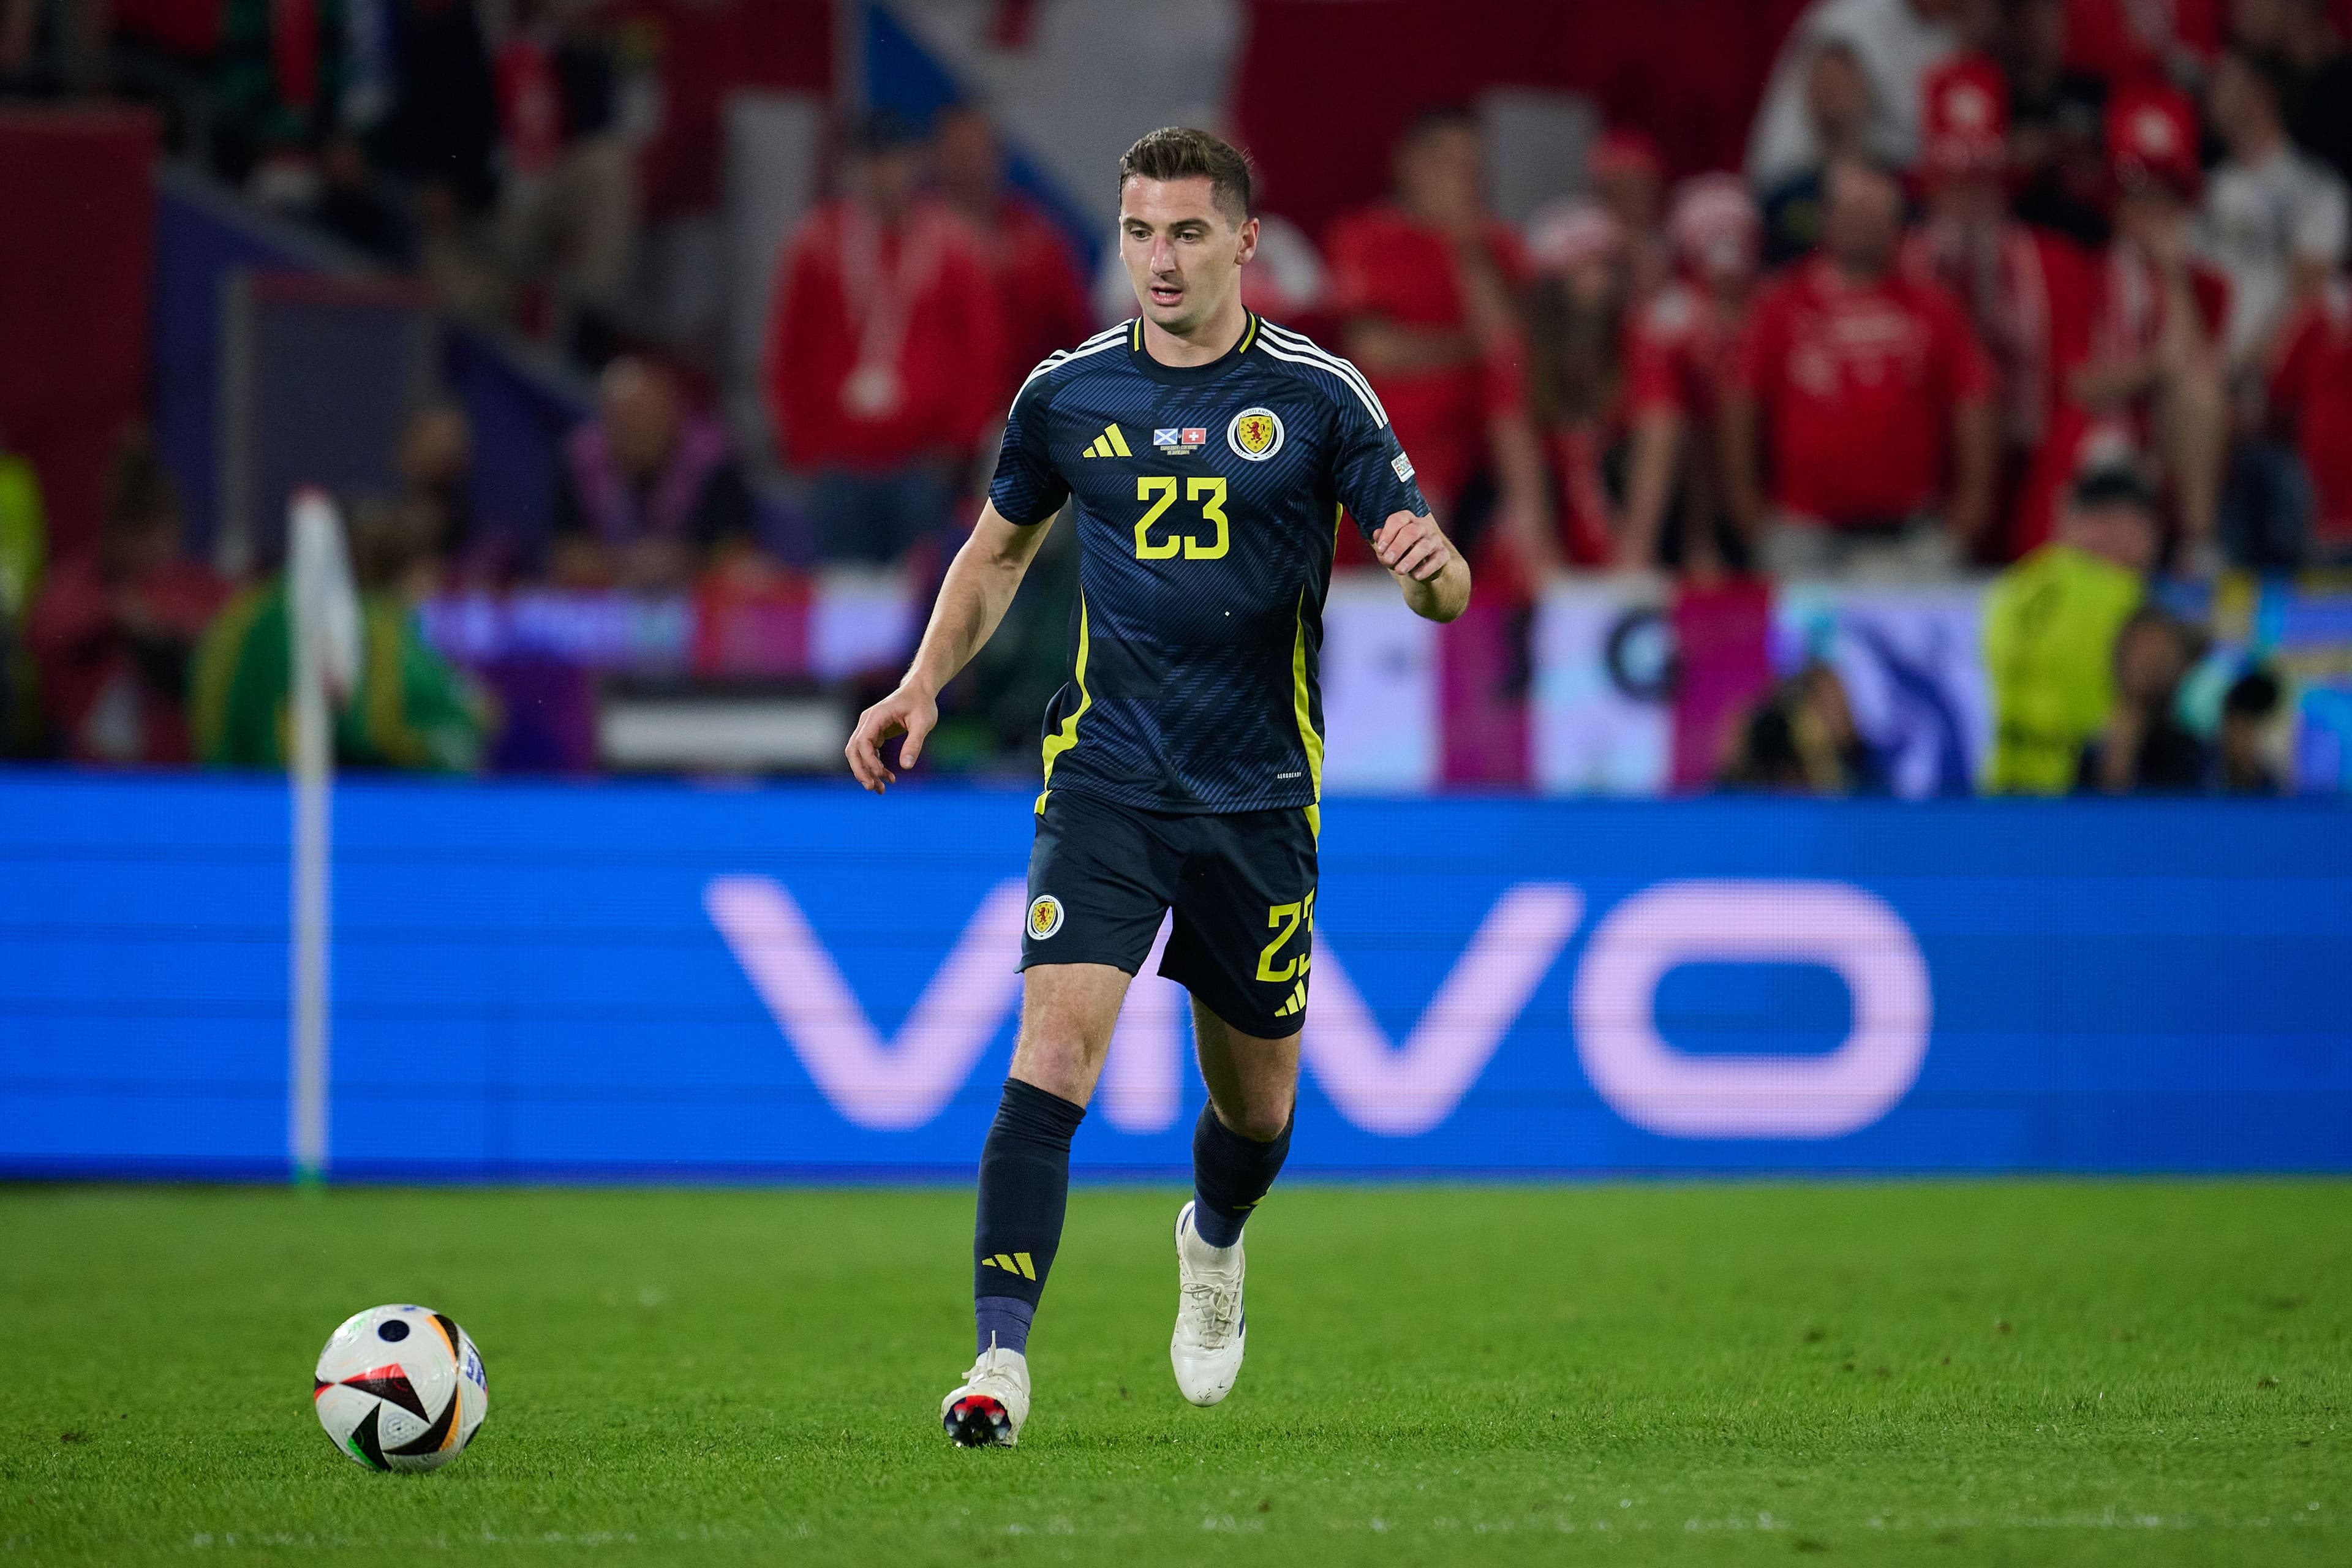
x: 1209, y: 453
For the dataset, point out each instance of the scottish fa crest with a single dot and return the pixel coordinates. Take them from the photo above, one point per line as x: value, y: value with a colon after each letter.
x: 1255, y: 435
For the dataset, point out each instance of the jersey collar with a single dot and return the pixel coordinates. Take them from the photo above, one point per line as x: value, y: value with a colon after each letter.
x: 1188, y: 375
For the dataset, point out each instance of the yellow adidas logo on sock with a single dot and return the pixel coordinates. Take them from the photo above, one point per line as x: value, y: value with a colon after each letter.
x: 1110, y: 444
x: 1296, y: 1004
x: 1011, y: 1263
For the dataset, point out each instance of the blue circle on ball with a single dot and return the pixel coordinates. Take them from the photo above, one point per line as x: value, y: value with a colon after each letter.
x: 394, y: 1331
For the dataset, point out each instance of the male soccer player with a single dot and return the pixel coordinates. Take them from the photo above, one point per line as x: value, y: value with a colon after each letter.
x: 1210, y: 453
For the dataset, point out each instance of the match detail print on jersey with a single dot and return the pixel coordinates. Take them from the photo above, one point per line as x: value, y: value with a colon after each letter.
x: 1205, y: 555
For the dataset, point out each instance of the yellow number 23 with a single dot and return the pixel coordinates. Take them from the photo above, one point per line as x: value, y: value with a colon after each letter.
x: 1209, y: 493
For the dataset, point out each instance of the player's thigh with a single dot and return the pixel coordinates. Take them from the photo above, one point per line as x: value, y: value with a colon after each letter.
x: 1100, y: 877
x: 1244, y: 937
x: 1252, y: 1081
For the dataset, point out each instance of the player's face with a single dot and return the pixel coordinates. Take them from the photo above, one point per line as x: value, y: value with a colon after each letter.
x: 1183, y: 256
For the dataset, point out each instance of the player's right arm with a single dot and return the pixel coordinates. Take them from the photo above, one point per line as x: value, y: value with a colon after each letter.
x: 981, y: 583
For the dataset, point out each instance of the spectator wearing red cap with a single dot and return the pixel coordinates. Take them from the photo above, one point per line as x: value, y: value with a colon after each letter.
x: 1629, y: 179
x: 883, y: 305
x: 2026, y: 291
x: 1427, y: 287
x: 1863, y: 404
x: 1043, y: 304
x: 2154, y: 381
x: 1684, y: 343
x: 1578, y: 312
x: 2311, y: 406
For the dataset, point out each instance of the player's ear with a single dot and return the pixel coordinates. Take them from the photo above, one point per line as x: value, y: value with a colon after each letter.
x: 1248, y: 236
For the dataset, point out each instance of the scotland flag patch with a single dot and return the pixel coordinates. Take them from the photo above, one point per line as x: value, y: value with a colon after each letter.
x: 1181, y: 443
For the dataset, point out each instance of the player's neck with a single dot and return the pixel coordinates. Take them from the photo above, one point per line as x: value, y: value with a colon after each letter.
x: 1211, y: 341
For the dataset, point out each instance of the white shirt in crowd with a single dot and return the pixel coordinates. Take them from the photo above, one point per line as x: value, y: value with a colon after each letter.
x: 1896, y: 45
x: 2259, y: 220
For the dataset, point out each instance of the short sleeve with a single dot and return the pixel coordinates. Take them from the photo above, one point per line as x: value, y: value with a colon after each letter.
x: 1371, y: 473
x: 1027, y: 489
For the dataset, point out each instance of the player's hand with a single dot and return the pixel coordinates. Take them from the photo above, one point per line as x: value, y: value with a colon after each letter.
x: 1412, y: 547
x: 909, y: 712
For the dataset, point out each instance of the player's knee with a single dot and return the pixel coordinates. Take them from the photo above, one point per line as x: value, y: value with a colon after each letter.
x: 1262, y: 1119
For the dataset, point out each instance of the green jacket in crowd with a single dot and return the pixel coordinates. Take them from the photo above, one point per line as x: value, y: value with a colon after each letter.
x: 2050, y: 626
x: 413, y: 708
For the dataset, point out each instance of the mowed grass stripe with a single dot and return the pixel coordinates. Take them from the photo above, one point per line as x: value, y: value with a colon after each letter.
x: 1962, y: 1372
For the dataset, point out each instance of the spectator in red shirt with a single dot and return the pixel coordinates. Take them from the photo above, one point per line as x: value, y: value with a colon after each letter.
x: 1427, y: 286
x: 2155, y: 381
x: 1863, y: 404
x: 884, y: 305
x: 1044, y: 305
x: 1580, y: 301
x: 1684, y: 344
x: 1629, y: 178
x: 2026, y: 291
x: 114, y: 626
x: 2311, y: 401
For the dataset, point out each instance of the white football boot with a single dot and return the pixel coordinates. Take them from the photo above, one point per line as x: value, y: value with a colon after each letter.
x: 992, y: 1403
x: 1206, y: 1351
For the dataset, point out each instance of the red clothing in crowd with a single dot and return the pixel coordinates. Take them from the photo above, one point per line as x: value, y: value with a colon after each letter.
x: 1044, y: 305
x: 2127, y: 316
x: 1682, y: 354
x: 119, y: 695
x: 2029, y: 297
x: 2127, y: 41
x: 873, y: 338
x: 1387, y: 264
x: 2312, y: 387
x: 1856, y: 385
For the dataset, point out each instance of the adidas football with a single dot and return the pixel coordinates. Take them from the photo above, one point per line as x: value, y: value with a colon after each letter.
x: 401, y: 1388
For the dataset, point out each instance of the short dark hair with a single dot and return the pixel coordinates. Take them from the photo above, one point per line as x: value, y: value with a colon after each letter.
x: 1439, y: 117
x: 1181, y: 152
x: 2114, y: 484
x: 2254, y: 695
x: 2272, y: 71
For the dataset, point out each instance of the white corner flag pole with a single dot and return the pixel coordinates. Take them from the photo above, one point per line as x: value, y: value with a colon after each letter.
x: 322, y: 612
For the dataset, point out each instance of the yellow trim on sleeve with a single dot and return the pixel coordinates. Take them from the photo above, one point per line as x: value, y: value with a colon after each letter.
x: 1062, y: 740
x: 1300, y: 706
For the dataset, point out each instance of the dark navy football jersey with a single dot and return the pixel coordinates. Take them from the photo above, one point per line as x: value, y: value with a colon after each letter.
x: 1208, y: 501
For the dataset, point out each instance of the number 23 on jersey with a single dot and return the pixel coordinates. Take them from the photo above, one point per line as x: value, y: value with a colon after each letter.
x: 1209, y: 493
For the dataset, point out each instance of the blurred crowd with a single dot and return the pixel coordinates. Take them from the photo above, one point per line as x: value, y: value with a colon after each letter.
x: 2053, y: 287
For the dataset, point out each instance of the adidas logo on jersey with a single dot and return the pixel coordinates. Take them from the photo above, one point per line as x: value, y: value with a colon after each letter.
x: 1110, y: 444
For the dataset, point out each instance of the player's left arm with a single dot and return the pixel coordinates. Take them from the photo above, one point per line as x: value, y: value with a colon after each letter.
x: 1375, y: 480
x: 1432, y: 573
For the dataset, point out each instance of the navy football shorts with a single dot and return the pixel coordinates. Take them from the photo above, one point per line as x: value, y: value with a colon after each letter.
x: 1102, y: 875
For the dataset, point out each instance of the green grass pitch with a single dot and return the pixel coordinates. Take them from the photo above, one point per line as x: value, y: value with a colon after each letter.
x: 2010, y: 1372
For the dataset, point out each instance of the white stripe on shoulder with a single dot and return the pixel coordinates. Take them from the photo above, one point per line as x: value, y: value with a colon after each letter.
x: 1316, y: 354
x: 1363, y: 394
x: 1110, y: 338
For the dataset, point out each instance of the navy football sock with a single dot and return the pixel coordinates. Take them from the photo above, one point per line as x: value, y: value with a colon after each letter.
x: 1024, y: 1185
x: 1229, y: 1175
